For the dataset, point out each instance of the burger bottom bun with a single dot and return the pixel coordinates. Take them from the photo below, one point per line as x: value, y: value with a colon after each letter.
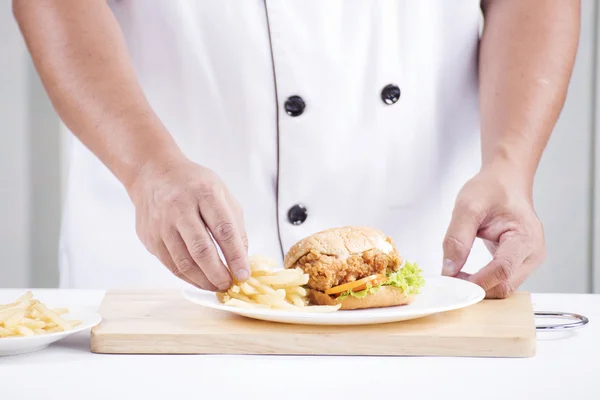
x: 386, y: 296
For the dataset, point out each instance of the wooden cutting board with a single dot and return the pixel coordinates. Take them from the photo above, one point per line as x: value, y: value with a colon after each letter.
x: 162, y: 322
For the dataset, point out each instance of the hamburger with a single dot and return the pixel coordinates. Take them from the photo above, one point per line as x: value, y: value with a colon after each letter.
x: 357, y: 267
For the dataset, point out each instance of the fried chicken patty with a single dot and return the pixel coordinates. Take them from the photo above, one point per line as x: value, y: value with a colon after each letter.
x: 327, y: 271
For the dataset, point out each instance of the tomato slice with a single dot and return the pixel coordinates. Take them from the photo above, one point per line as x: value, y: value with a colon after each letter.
x: 357, y: 286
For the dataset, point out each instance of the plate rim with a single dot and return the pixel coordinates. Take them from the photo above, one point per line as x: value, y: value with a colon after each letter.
x: 317, y: 318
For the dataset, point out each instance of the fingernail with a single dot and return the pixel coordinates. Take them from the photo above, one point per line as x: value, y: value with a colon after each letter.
x: 449, y: 268
x: 242, y: 274
x: 223, y: 286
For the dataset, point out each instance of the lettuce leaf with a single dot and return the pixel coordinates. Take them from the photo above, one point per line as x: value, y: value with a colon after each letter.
x: 409, y: 279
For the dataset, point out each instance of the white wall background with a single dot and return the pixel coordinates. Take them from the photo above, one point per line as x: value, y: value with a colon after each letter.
x: 31, y: 180
x: 14, y: 155
x: 564, y: 183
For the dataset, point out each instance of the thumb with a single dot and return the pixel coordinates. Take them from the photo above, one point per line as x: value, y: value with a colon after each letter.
x: 459, y: 238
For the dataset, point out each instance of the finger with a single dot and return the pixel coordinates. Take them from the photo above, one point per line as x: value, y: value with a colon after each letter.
x: 242, y: 228
x: 162, y: 253
x: 245, y: 241
x: 238, y: 214
x: 200, y: 246
x: 506, y: 289
x: 184, y: 265
x: 513, y: 249
x: 219, y: 219
x: 459, y: 238
x: 463, y: 275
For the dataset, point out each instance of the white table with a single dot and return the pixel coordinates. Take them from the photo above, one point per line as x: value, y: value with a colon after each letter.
x: 567, y: 366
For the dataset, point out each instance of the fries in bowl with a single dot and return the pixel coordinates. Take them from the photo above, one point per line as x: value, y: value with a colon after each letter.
x: 27, y: 316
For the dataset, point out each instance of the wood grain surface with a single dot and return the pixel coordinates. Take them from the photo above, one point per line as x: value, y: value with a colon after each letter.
x: 162, y: 322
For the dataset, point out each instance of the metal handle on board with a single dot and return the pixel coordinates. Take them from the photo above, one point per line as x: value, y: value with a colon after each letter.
x: 580, y: 320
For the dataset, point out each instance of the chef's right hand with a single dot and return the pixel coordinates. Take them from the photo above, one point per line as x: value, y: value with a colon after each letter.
x: 178, y: 206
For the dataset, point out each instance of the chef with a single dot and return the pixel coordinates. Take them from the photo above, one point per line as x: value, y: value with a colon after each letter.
x: 203, y: 131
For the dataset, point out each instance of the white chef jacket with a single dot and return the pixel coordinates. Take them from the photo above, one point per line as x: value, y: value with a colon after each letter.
x: 315, y: 114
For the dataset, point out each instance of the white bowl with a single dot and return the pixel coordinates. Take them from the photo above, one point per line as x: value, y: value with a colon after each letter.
x: 86, y: 313
x: 27, y: 344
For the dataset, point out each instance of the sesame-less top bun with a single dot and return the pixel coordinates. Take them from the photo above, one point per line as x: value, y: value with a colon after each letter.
x: 340, y: 243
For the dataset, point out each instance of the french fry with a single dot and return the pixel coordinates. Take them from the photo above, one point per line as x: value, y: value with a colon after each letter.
x: 296, y: 300
x: 302, y: 280
x: 27, y: 296
x: 52, y: 316
x: 239, y: 296
x: 279, y: 294
x: 275, y: 302
x: 4, y: 332
x: 21, y: 302
x: 260, y: 262
x: 261, y: 272
x: 256, y: 270
x: 244, y: 304
x: 221, y: 296
x: 14, y: 319
x: 265, y: 289
x: 25, y: 331
x: 282, y: 278
x: 35, y: 314
x: 33, y: 323
x: 248, y: 289
x: 299, y: 290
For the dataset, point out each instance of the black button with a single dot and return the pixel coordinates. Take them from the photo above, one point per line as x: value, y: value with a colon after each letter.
x: 294, y: 106
x: 297, y: 214
x: 390, y: 94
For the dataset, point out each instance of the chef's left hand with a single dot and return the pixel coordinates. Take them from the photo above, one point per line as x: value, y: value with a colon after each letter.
x: 495, y: 205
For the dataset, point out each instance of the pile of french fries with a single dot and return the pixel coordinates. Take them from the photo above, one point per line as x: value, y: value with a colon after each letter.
x: 29, y: 317
x: 268, y: 287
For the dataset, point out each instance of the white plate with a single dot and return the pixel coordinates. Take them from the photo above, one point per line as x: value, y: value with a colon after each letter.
x: 439, y: 294
x: 28, y: 344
